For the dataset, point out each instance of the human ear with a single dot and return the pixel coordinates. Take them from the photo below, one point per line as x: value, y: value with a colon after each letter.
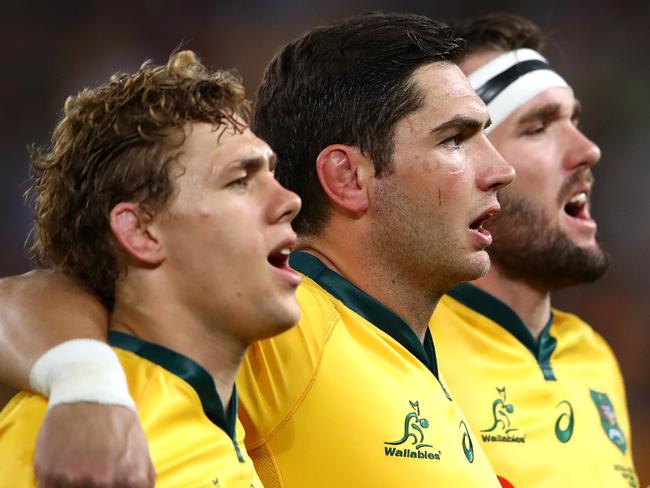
x: 131, y: 228
x: 343, y: 173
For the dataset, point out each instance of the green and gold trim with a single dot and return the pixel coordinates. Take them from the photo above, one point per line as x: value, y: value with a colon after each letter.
x: 367, y: 307
x: 500, y: 313
x: 192, y: 373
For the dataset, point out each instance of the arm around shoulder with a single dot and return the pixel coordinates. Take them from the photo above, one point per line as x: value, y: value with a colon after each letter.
x: 39, y: 310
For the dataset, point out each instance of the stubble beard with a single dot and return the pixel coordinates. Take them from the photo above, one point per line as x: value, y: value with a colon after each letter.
x: 414, y: 243
x: 527, y: 247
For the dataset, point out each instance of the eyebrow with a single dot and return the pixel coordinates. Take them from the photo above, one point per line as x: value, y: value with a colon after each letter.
x: 253, y: 164
x: 545, y: 112
x: 461, y: 122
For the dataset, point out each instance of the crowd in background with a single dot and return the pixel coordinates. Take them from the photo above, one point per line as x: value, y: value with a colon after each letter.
x: 53, y: 49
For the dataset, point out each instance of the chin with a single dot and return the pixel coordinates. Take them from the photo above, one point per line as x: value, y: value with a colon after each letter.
x: 292, y: 317
x: 589, y: 245
x: 284, y: 318
x: 471, y: 269
x: 479, y: 266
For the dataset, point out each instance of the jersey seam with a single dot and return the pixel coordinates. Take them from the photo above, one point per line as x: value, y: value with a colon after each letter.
x: 150, y: 376
x: 276, y: 467
x: 330, y: 325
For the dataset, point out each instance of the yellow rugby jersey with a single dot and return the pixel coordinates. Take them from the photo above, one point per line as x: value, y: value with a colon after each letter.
x: 192, y: 441
x: 351, y: 398
x: 549, y: 413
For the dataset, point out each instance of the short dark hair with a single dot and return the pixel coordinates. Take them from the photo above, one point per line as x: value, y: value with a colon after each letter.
x: 501, y: 31
x: 115, y: 143
x: 349, y: 83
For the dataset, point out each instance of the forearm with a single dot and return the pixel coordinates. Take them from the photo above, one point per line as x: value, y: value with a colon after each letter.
x: 39, y: 310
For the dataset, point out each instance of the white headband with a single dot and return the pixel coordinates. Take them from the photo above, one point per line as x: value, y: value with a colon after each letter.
x: 510, y: 80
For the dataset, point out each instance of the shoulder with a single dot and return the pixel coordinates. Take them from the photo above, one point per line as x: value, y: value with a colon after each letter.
x: 277, y: 373
x: 318, y: 317
x: 317, y: 306
x: 579, y: 344
x: 572, y: 330
x: 152, y: 384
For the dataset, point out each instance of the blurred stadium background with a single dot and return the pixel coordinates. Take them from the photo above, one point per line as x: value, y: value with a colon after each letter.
x: 53, y: 49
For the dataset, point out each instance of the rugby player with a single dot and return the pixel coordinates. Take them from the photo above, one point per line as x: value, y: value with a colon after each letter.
x: 156, y: 195
x: 541, y: 388
x: 380, y: 133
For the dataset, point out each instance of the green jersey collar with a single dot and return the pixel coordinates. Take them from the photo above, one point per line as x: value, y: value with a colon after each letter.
x: 497, y: 311
x: 366, y: 306
x: 189, y: 371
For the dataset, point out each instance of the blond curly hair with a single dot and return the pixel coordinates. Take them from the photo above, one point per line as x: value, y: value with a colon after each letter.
x: 117, y: 142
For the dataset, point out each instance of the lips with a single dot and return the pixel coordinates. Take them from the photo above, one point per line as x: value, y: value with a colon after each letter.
x: 577, y: 206
x: 477, y: 224
x: 574, y: 196
x: 575, y: 215
x: 481, y: 235
x: 278, y: 258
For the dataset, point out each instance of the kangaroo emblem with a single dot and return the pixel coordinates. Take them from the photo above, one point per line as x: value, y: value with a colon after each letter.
x: 500, y: 412
x: 413, y: 426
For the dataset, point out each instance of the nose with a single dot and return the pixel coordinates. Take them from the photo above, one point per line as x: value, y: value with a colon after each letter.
x: 496, y: 172
x: 581, y: 151
x: 286, y: 204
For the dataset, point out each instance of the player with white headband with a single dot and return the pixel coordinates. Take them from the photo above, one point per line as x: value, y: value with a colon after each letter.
x: 541, y: 388
x: 511, y: 79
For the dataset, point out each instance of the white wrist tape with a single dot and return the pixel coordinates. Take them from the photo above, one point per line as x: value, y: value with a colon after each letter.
x: 81, y: 370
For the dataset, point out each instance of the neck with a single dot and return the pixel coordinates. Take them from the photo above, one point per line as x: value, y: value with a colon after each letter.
x: 533, y: 305
x: 145, y: 311
x: 407, y: 300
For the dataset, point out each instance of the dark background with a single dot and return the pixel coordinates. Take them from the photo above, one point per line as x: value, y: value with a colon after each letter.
x: 53, y: 49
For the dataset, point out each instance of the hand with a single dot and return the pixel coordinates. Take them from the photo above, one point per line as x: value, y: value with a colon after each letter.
x: 92, y: 445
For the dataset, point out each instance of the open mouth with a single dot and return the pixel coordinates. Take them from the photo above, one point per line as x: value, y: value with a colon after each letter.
x: 578, y: 206
x: 280, y: 258
x: 477, y: 225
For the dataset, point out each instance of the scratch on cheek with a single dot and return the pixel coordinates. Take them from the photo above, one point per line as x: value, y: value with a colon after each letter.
x: 439, y: 198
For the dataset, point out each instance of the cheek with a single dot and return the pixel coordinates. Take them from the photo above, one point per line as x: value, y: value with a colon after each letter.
x: 440, y: 179
x: 455, y: 188
x: 204, y: 212
x: 457, y: 164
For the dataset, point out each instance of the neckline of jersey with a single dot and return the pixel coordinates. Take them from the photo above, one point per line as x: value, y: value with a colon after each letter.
x: 498, y: 312
x: 189, y: 371
x: 367, y: 307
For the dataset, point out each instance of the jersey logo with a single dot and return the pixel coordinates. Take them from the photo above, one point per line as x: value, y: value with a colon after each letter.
x: 564, y: 422
x: 468, y: 447
x: 501, y: 424
x: 413, y: 431
x: 608, y: 420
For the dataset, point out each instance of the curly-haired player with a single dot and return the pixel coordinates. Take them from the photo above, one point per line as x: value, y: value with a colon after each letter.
x: 141, y: 197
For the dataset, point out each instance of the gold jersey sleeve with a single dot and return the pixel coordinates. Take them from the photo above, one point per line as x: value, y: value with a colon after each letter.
x: 549, y: 412
x: 186, y: 446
